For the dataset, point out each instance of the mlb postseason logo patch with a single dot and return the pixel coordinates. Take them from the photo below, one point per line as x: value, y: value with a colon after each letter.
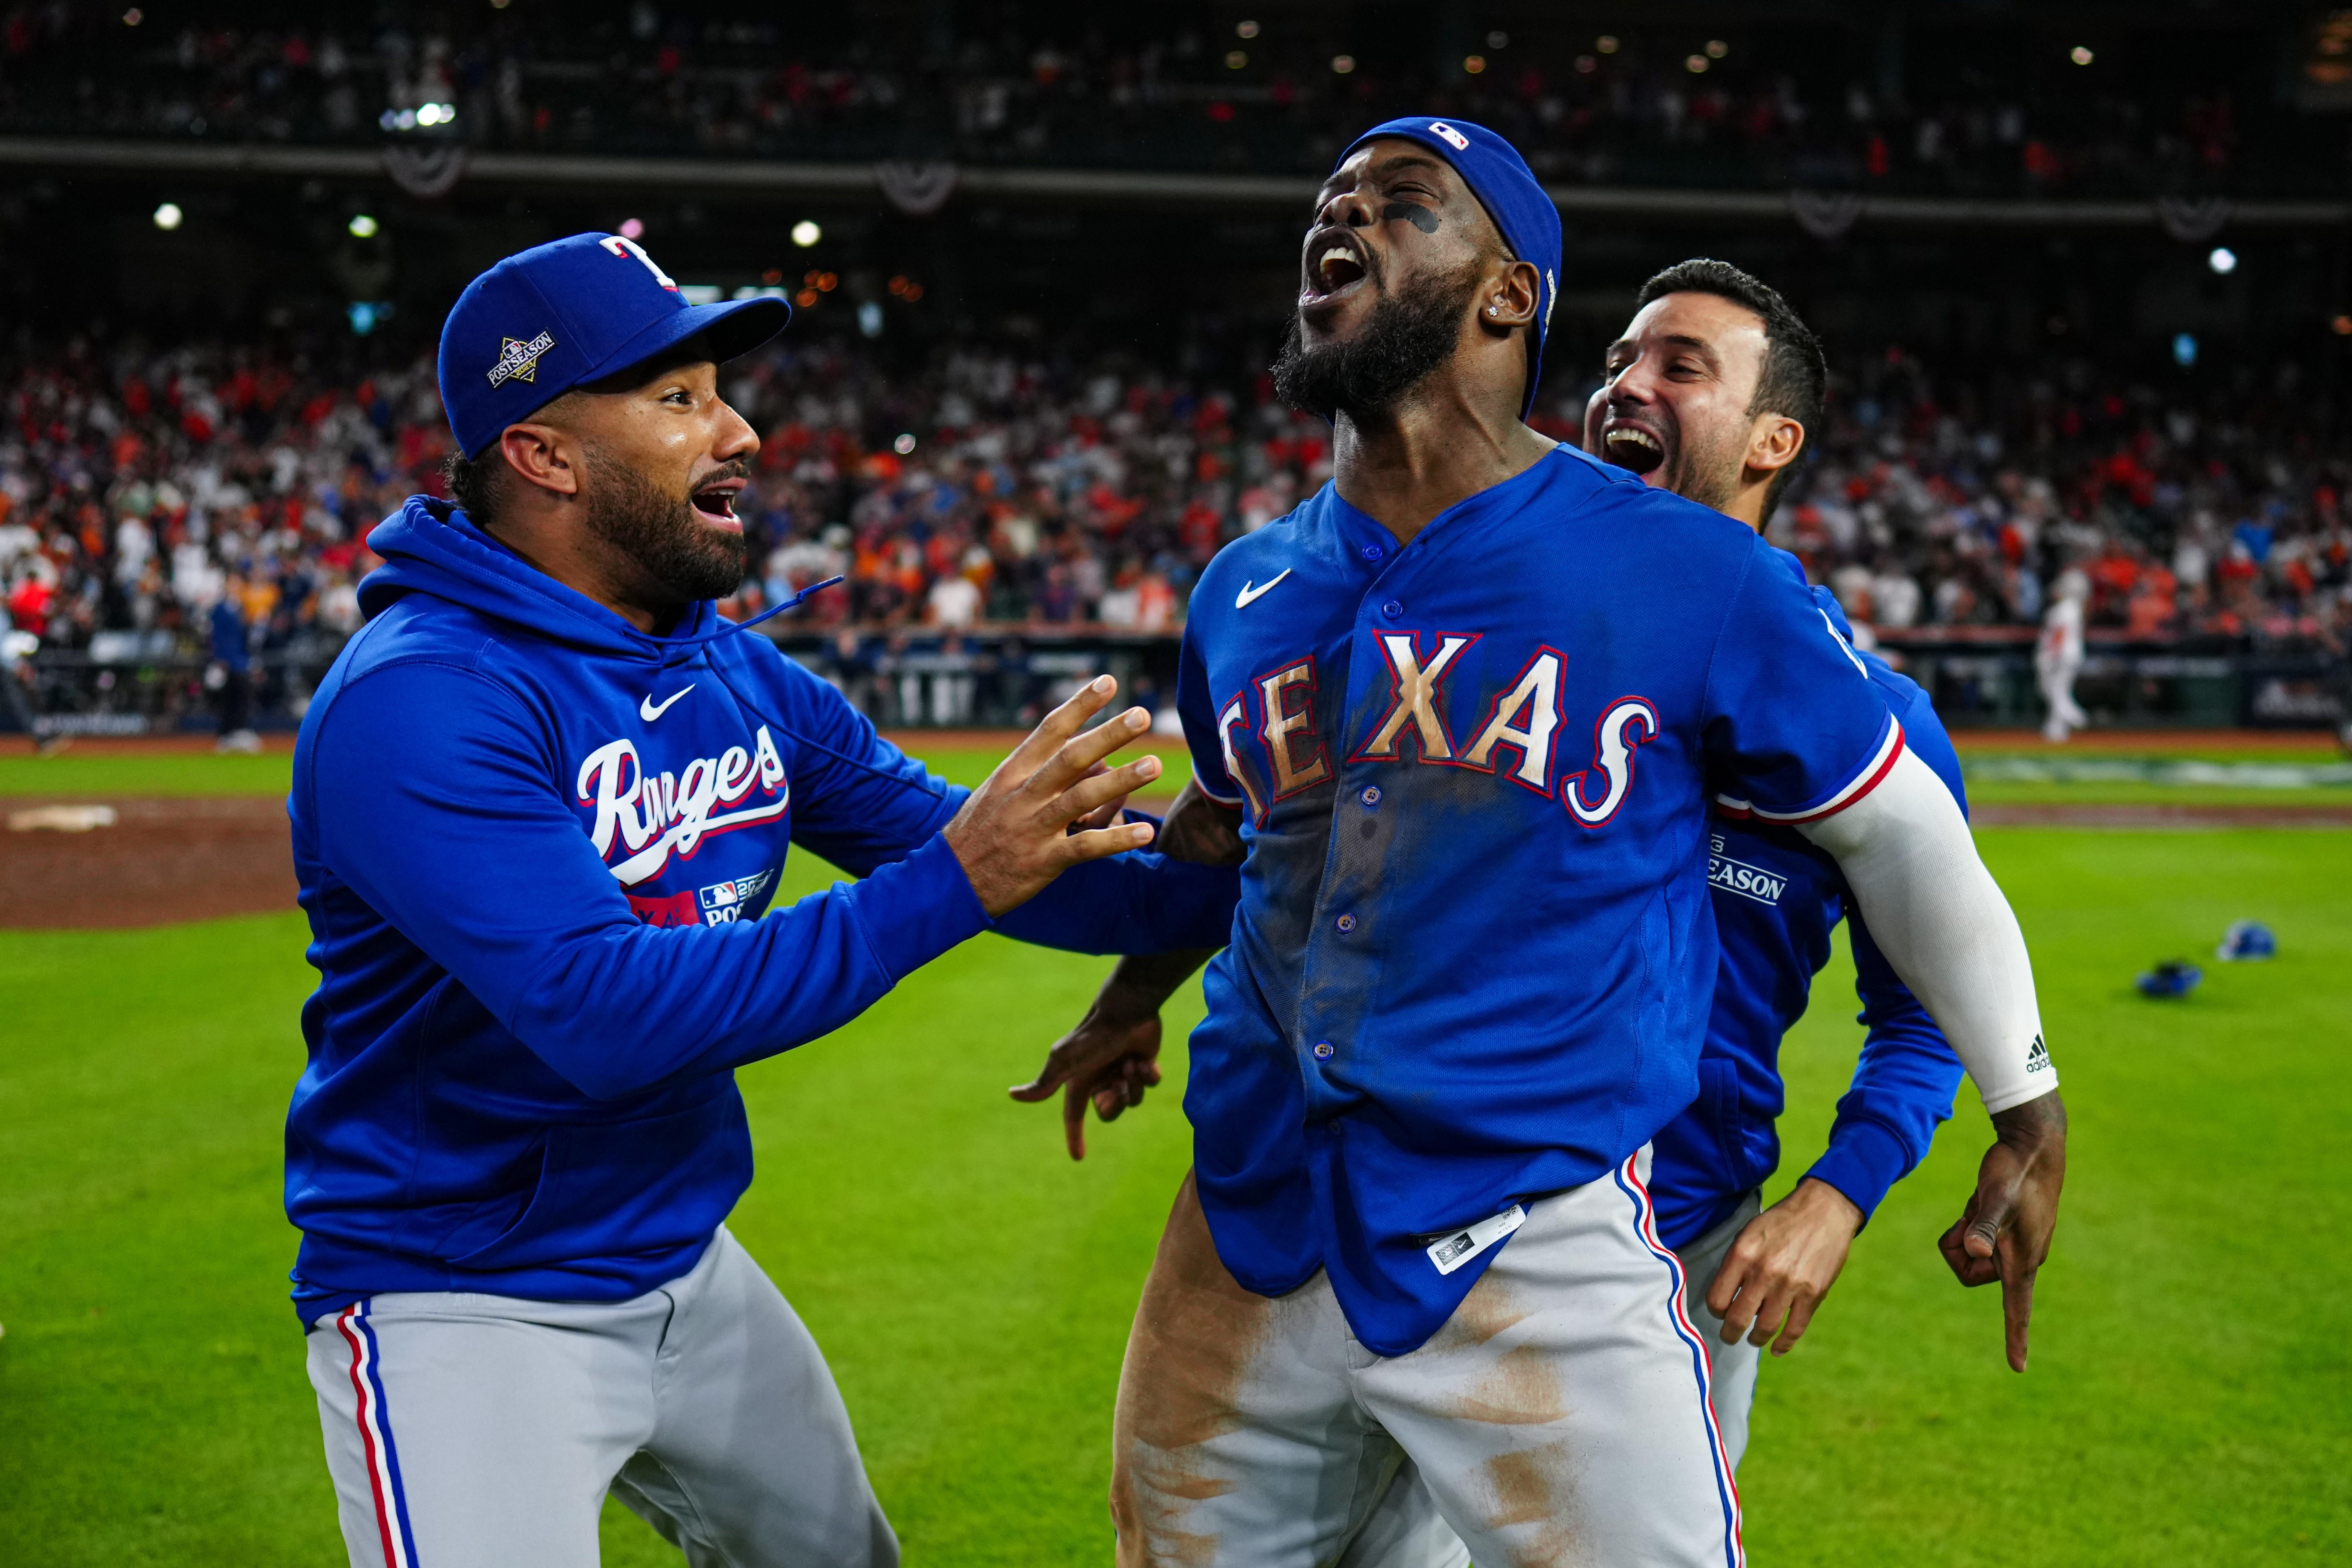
x: 519, y: 361
x: 722, y: 903
x: 1451, y: 137
x: 1455, y: 1249
x: 1739, y: 876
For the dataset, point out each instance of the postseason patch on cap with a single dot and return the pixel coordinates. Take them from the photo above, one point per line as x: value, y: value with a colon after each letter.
x: 519, y: 361
x: 1453, y: 138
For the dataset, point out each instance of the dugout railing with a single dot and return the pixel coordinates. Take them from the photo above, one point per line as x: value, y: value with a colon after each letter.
x: 132, y: 683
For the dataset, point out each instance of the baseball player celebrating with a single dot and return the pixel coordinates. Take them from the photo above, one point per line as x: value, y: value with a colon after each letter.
x: 1710, y: 393
x: 1465, y: 709
x: 540, y: 805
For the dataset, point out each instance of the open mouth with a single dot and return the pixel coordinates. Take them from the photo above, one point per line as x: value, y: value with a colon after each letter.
x: 1335, y: 264
x: 715, y: 502
x: 1631, y: 447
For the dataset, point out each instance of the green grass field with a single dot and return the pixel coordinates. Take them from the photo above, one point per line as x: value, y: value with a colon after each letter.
x: 92, y: 770
x: 972, y: 1286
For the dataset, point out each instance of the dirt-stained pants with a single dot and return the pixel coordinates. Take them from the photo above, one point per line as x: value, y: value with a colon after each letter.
x: 1560, y: 1417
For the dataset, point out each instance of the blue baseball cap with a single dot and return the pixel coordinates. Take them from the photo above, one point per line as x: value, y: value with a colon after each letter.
x: 574, y: 311
x: 1508, y: 189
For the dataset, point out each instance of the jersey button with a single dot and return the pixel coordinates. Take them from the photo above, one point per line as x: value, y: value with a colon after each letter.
x: 1346, y: 925
x: 1392, y: 609
x: 1322, y: 1050
x: 1371, y: 795
x: 1374, y: 552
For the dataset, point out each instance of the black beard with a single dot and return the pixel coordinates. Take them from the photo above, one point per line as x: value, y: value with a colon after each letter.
x: 661, y: 532
x: 1406, y: 337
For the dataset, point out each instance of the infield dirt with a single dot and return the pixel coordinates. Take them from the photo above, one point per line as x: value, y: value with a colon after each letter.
x: 170, y: 859
x: 163, y: 861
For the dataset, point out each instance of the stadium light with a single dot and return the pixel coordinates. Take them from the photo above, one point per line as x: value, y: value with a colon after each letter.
x: 1606, y: 43
x: 1474, y: 64
x: 2080, y: 56
x: 805, y: 233
x: 362, y: 227
x: 1498, y: 40
x: 1342, y: 64
x: 1717, y: 48
x: 2184, y: 349
x: 365, y: 315
x: 1236, y: 59
x: 168, y: 216
x: 2341, y: 326
x: 633, y: 228
x: 1246, y: 29
x: 2222, y: 260
x: 869, y: 319
x: 1695, y: 64
x: 133, y: 17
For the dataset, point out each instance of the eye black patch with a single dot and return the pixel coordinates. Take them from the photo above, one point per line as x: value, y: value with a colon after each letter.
x: 1413, y: 213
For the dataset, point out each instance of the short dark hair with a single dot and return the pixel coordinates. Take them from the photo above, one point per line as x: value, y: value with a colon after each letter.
x: 1795, y: 379
x: 473, y: 482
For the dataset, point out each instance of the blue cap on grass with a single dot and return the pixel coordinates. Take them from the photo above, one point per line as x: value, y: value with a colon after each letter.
x: 574, y: 311
x: 2246, y: 940
x: 1506, y: 188
x: 2168, y: 981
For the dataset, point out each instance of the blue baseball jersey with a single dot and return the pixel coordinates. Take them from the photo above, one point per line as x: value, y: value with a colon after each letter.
x: 1474, y: 953
x: 1778, y: 900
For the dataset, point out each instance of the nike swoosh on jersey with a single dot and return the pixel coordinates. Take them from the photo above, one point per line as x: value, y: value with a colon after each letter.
x: 650, y: 710
x: 1251, y: 594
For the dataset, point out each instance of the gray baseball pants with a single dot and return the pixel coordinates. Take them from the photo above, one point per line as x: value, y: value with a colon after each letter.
x: 472, y: 1431
x: 1561, y: 1414
x: 1734, y: 1364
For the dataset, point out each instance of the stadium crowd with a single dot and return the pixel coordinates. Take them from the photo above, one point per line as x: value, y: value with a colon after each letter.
x: 1653, y: 106
x: 138, y: 488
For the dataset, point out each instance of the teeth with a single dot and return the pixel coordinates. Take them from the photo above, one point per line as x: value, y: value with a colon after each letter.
x: 1639, y: 437
x: 1337, y: 255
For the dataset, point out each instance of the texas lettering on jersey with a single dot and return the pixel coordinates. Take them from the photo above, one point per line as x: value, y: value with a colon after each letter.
x: 644, y: 818
x: 1516, y: 735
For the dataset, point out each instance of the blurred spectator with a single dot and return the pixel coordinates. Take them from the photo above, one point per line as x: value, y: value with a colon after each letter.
x: 162, y: 491
x: 230, y: 675
x: 1764, y: 106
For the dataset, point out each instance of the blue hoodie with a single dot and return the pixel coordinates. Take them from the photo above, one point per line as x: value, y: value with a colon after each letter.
x: 534, y: 845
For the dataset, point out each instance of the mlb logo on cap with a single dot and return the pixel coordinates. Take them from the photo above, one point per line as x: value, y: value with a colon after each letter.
x: 564, y: 314
x: 1453, y: 138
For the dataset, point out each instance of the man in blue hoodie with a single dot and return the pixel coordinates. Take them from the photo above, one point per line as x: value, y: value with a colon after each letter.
x: 540, y: 805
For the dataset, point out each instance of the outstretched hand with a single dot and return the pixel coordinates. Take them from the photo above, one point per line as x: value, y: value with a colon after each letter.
x: 1014, y: 833
x: 1111, y: 1059
x: 2004, y: 1232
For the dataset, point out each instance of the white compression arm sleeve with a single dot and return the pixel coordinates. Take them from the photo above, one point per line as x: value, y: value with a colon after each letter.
x: 1941, y: 921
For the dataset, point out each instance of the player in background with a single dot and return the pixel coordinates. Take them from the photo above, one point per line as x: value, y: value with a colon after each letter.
x: 2058, y: 656
x: 541, y: 801
x: 1464, y: 753
x: 1710, y: 393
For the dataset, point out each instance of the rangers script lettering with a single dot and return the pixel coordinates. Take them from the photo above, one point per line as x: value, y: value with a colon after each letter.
x: 652, y: 815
